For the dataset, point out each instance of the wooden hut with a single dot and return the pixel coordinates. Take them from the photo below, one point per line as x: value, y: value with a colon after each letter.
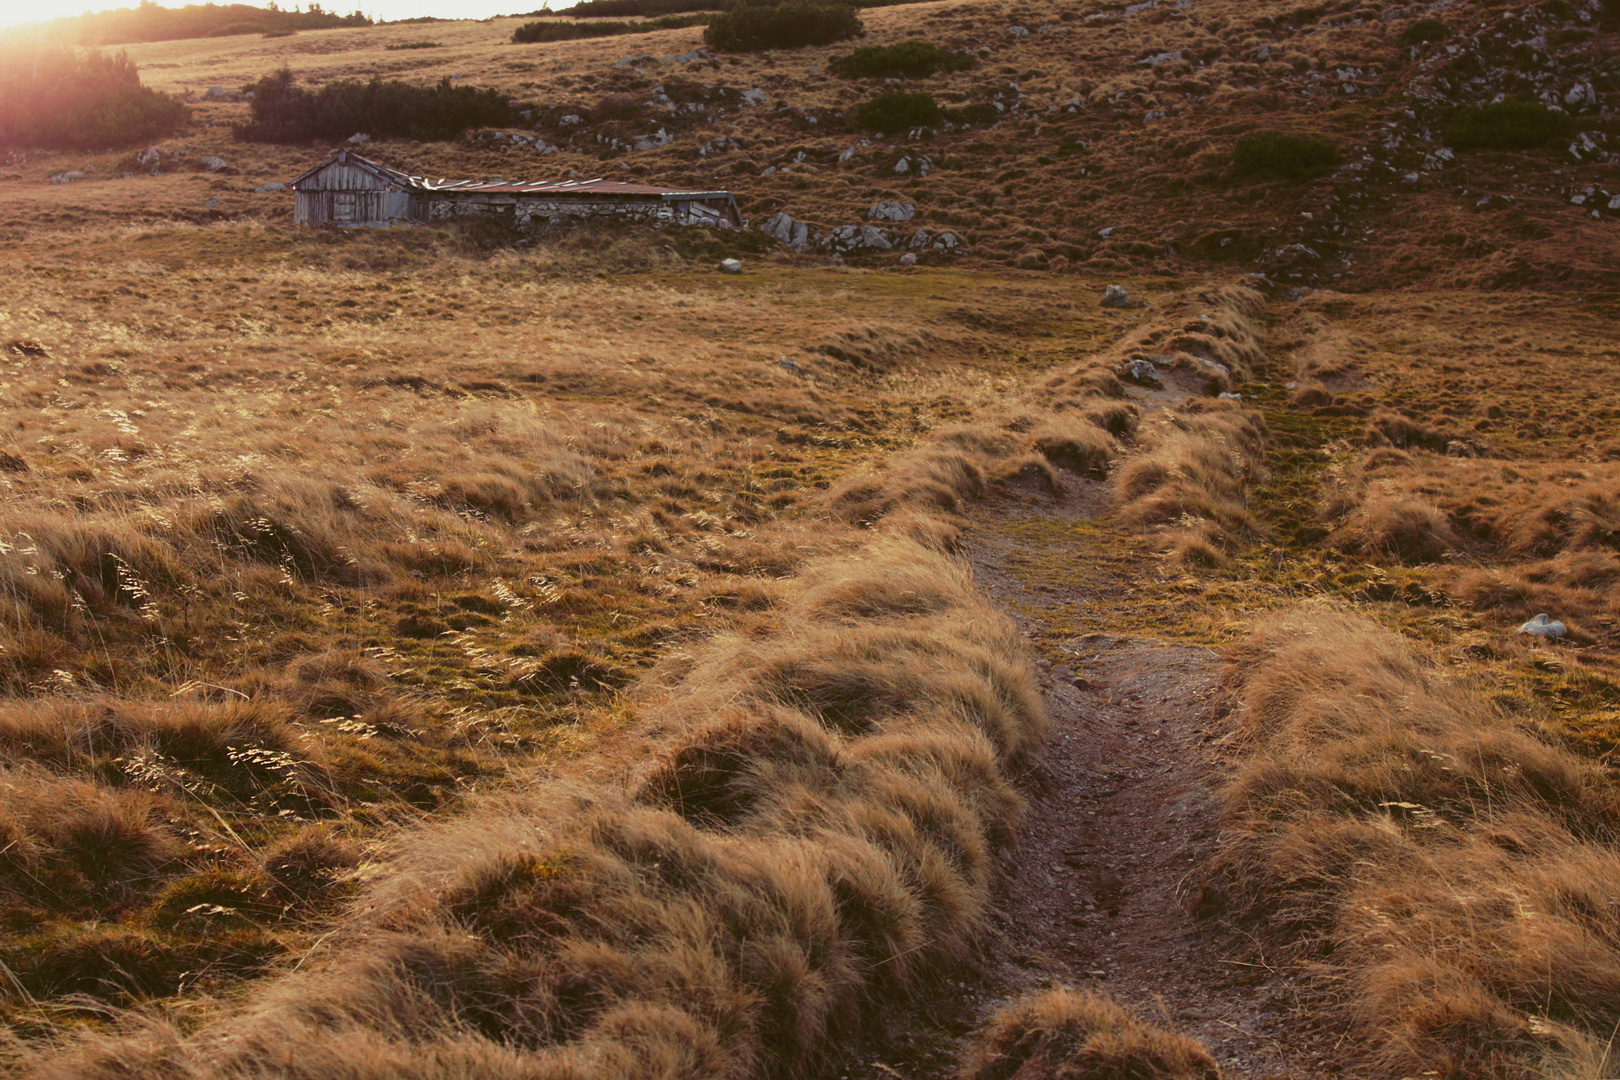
x: 350, y: 190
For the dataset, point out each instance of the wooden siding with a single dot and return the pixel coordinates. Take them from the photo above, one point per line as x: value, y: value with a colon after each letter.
x: 350, y: 207
x: 346, y: 176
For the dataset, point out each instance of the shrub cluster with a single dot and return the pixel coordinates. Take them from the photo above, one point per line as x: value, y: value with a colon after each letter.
x: 285, y: 113
x: 1272, y: 155
x: 556, y: 30
x: 405, y: 45
x: 1425, y: 30
x: 150, y: 22
x: 1507, y: 125
x: 897, y: 110
x: 61, y: 99
x: 619, y: 9
x: 782, y: 26
x: 907, y: 59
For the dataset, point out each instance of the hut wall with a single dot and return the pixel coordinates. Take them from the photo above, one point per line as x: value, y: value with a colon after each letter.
x: 534, y: 211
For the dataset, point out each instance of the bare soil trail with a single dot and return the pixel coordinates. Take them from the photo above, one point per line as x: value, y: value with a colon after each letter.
x: 1100, y: 890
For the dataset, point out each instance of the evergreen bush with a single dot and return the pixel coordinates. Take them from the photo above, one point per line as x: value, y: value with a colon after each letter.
x: 1272, y: 155
x: 907, y: 59
x: 61, y: 99
x: 1507, y: 125
x: 897, y: 110
x: 284, y: 112
x: 781, y: 26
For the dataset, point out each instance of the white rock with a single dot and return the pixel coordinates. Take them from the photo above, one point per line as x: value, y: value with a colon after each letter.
x: 67, y: 177
x: 888, y: 210
x: 1018, y: 31
x: 731, y: 266
x: 150, y: 158
x: 1115, y: 296
x: 795, y: 234
x: 570, y: 120
x: 359, y: 138
x: 908, y: 259
x: 1543, y: 627
x: 1161, y: 58
x: 212, y: 164
x: 1140, y: 371
x: 756, y: 96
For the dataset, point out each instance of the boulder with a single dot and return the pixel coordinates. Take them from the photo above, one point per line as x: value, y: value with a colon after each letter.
x: 909, y: 259
x: 717, y: 146
x: 1141, y: 371
x: 731, y: 266
x: 856, y: 239
x: 889, y: 210
x: 1115, y: 296
x: 1018, y: 31
x: 359, y: 138
x: 212, y: 164
x: 756, y: 96
x: 67, y: 177
x: 795, y: 234
x: 1543, y: 627
x: 150, y: 158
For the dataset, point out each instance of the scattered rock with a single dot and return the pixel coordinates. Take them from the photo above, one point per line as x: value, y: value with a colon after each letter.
x: 264, y: 189
x: 213, y: 200
x: 1115, y: 296
x: 1141, y: 371
x: 756, y: 96
x: 1018, y: 31
x: 888, y: 210
x: 787, y: 365
x: 854, y: 239
x: 571, y: 120
x: 718, y: 146
x: 1543, y: 627
x: 795, y: 234
x: 1160, y: 58
x: 212, y: 164
x: 359, y: 138
x: 908, y: 259
x: 731, y: 266
x: 150, y: 158
x: 67, y: 177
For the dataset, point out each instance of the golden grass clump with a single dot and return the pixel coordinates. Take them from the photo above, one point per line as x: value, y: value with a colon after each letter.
x: 1450, y: 876
x: 1193, y: 465
x: 815, y: 826
x: 1068, y: 1034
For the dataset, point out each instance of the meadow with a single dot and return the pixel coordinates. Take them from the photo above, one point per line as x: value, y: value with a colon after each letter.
x: 422, y: 655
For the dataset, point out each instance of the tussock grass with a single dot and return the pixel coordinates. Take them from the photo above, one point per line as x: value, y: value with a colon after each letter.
x: 815, y: 827
x: 1080, y: 1035
x: 1448, y: 874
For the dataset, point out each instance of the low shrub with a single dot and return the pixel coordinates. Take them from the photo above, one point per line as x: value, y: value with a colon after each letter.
x: 1424, y: 31
x: 907, y: 59
x: 623, y: 8
x: 403, y: 45
x: 1507, y: 125
x: 62, y: 99
x: 897, y: 110
x: 782, y: 26
x: 284, y: 112
x: 1272, y: 155
x: 557, y: 30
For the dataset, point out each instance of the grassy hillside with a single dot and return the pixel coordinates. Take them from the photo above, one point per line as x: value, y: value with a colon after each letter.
x: 432, y: 654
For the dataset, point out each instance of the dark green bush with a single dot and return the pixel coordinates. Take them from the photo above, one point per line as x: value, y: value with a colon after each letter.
x: 908, y: 59
x: 554, y: 30
x: 781, y: 26
x: 1425, y: 30
x: 897, y: 110
x: 586, y: 9
x: 61, y: 99
x: 1507, y: 125
x: 403, y: 45
x: 152, y: 22
x: 286, y: 113
x: 1271, y: 155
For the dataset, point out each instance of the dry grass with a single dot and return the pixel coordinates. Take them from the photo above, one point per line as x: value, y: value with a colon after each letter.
x: 1080, y: 1035
x: 1448, y: 875
x: 815, y: 827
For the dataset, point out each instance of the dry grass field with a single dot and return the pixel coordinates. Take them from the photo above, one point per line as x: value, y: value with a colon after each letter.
x: 426, y: 657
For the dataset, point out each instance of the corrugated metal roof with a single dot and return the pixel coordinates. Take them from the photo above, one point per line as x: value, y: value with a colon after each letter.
x: 597, y: 186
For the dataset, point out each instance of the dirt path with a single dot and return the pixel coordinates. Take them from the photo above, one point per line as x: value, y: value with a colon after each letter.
x: 1122, y: 814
